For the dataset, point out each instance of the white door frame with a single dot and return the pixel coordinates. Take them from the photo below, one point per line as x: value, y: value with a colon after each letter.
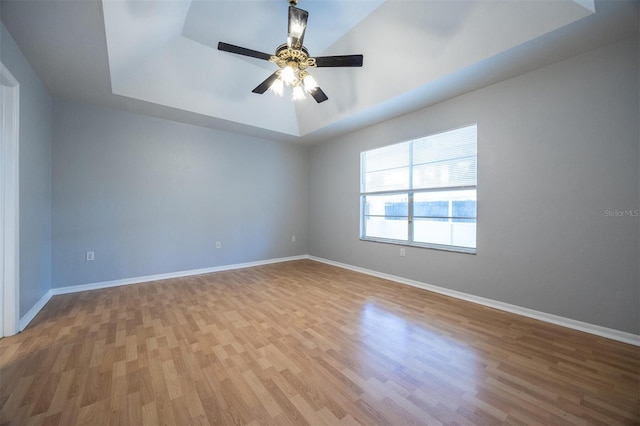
x: 9, y: 204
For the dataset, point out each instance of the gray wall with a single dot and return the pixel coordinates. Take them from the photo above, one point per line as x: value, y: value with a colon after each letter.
x: 35, y: 176
x: 557, y: 147
x: 151, y: 196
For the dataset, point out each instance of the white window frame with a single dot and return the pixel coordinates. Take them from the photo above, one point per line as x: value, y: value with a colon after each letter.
x: 410, y: 192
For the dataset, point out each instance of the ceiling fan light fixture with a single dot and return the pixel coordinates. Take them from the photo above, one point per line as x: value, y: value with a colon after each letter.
x: 298, y: 93
x: 293, y: 59
x: 288, y: 75
x: 310, y: 83
x: 277, y: 87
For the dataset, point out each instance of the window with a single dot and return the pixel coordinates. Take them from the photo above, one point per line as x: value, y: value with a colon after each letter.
x: 422, y: 192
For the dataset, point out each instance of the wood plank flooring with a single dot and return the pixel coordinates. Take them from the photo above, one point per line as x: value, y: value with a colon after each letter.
x: 305, y: 343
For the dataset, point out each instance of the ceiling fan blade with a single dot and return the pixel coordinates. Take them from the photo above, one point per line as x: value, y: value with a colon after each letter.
x: 264, y: 86
x: 243, y: 51
x: 339, y: 61
x: 319, y: 95
x: 297, y: 27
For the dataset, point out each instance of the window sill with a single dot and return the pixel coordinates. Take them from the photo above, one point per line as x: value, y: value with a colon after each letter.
x: 455, y: 249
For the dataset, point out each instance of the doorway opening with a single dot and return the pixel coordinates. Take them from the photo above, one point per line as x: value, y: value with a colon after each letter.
x: 9, y: 202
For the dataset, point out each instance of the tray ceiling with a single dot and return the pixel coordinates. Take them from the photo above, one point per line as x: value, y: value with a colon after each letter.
x: 165, y: 52
x: 160, y: 58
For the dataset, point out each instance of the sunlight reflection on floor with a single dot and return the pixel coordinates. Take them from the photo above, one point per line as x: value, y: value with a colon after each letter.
x: 411, y: 345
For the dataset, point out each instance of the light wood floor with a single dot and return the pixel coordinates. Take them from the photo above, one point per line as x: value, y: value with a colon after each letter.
x: 305, y: 343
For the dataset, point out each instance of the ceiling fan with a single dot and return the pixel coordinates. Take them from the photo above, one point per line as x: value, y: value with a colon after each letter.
x: 293, y: 60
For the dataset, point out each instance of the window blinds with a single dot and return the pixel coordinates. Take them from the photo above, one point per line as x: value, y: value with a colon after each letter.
x: 444, y: 160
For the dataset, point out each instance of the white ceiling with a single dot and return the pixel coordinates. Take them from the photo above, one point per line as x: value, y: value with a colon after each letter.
x: 160, y: 57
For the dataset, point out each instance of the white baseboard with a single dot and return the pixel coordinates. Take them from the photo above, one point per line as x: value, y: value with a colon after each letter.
x: 35, y: 309
x: 609, y: 333
x: 597, y: 330
x: 31, y: 314
x: 179, y: 274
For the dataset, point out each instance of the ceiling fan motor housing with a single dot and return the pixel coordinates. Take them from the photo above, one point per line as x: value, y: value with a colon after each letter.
x: 297, y: 58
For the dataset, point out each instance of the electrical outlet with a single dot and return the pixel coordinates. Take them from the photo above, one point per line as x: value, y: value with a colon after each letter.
x: 293, y: 238
x: 402, y: 252
x: 91, y: 256
x: 218, y: 244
